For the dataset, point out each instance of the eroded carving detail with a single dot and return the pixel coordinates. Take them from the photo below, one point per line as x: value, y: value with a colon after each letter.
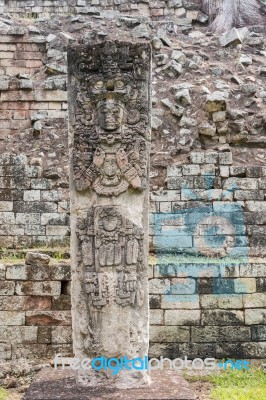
x: 111, y: 124
x: 111, y: 254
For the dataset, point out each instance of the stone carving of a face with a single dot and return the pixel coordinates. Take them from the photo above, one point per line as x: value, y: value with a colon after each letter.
x: 110, y: 115
x: 110, y: 223
x: 110, y: 166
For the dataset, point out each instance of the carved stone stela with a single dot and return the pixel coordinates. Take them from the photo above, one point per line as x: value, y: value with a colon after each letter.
x: 109, y: 135
x: 112, y: 258
x: 111, y: 118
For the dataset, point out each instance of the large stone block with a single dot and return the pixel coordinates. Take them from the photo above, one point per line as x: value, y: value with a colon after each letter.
x: 255, y: 300
x: 27, y: 218
x: 255, y: 316
x: 11, y: 195
x: 253, y: 270
x: 65, y: 349
x: 169, y: 334
x: 54, y: 219
x: 258, y: 333
x: 62, y: 302
x: 61, y: 336
x: 55, y: 230
x: 182, y: 317
x: 7, y: 218
x: 28, y: 272
x: 34, y: 207
x: 235, y: 350
x: 205, y: 286
x: 19, y: 334
x: 32, y: 195
x: 48, y: 318
x: 241, y: 183
x: 180, y: 182
x: 191, y: 170
x: 159, y: 286
x: 33, y: 230
x: 255, y: 206
x: 221, y: 301
x: 60, y: 271
x: 34, y: 352
x: 37, y: 259
x: 7, y: 288
x: 167, y: 350
x: 220, y: 334
x: 181, y: 286
x: 12, y: 318
x: 156, y: 317
x: 6, y: 206
x: 254, y: 171
x: 44, y: 334
x: 21, y: 303
x: 196, y: 350
x: 165, y: 195
x: 245, y: 285
x: 183, y: 302
x: 254, y: 350
x: 37, y: 303
x: 38, y: 288
x: 222, y: 317
x: 248, y: 195
x: 174, y: 170
x: 172, y: 243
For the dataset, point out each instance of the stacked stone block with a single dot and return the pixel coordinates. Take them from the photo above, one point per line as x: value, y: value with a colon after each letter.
x: 34, y: 8
x: 186, y: 10
x: 34, y: 196
x: 32, y: 212
x: 213, y: 304
x: 27, y: 98
x: 217, y: 316
x: 35, y: 317
x: 207, y: 201
x: 196, y: 309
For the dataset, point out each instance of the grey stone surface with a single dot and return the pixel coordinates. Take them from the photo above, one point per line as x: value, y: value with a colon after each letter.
x: 231, y: 37
x: 60, y: 385
x: 110, y: 203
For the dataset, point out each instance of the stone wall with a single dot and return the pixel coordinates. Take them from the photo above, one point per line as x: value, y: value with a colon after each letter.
x: 35, y: 315
x: 210, y: 208
x: 207, y: 309
x: 35, y: 8
x: 198, y: 309
x: 34, y: 196
x: 153, y: 9
x: 202, y: 105
x: 207, y: 175
x: 201, y: 304
x: 33, y: 210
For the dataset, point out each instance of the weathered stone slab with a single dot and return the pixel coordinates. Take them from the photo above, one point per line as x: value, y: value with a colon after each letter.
x: 109, y: 130
x: 37, y: 259
x: 43, y: 288
x: 28, y: 272
x: 60, y: 384
x: 48, y: 318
